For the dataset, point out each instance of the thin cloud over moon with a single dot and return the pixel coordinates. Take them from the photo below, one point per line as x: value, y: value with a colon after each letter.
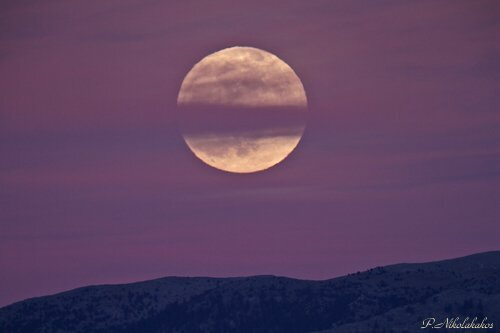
x: 242, y: 76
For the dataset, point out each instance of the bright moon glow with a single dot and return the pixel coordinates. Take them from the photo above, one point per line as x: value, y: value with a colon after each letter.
x: 242, y: 109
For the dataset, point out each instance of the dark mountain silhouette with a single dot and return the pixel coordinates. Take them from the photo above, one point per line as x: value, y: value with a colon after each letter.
x: 394, y: 298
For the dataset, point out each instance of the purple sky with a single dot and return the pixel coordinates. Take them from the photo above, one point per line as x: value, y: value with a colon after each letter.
x: 399, y: 162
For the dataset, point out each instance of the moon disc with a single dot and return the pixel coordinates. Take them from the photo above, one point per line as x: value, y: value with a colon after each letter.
x: 242, y: 110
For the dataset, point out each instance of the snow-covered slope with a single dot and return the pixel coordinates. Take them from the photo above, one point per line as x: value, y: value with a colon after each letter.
x: 396, y: 297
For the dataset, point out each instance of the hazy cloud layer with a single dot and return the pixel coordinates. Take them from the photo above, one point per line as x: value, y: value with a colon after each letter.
x: 399, y: 160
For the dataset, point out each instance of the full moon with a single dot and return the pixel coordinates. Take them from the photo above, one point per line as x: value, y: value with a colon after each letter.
x: 242, y: 109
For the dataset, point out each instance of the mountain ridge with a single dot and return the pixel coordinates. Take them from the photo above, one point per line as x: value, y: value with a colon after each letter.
x: 268, y: 303
x: 486, y: 253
